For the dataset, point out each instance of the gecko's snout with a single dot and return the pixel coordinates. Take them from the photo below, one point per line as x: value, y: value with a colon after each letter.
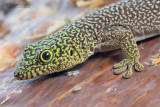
x: 18, y: 75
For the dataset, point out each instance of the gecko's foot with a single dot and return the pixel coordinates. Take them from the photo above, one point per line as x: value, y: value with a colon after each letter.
x: 126, y: 65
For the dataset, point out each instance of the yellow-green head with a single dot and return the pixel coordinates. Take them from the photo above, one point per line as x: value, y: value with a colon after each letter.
x: 51, y: 54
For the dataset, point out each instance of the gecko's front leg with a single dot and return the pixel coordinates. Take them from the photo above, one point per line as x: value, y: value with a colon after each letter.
x: 130, y: 50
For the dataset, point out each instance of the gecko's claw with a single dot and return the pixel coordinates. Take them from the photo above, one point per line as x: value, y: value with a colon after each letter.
x: 126, y: 65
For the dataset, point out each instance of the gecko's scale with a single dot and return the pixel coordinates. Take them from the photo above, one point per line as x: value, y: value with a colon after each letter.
x: 115, y: 26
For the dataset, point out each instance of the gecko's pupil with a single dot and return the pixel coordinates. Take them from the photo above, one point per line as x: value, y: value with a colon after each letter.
x: 46, y: 55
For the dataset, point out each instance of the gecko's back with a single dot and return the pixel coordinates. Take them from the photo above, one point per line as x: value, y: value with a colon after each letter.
x: 141, y: 16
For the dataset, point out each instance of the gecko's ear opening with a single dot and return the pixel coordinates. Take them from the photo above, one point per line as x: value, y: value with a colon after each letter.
x: 71, y: 52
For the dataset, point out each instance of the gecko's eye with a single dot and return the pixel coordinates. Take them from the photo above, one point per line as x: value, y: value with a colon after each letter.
x: 46, y: 56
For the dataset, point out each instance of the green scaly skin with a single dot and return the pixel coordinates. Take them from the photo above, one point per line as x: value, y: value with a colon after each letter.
x: 115, y: 26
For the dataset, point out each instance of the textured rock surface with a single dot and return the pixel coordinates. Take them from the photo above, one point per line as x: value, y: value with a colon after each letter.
x: 96, y: 85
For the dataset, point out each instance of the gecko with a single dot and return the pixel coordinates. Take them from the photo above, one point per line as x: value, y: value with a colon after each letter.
x: 116, y: 26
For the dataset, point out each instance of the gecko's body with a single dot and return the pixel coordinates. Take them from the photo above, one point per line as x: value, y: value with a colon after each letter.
x: 115, y: 26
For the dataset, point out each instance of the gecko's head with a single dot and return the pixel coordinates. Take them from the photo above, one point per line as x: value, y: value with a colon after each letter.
x: 44, y: 58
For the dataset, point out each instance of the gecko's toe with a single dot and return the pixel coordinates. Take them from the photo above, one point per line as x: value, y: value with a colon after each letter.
x: 138, y: 66
x: 127, y: 74
x: 120, y: 70
x: 121, y: 63
x: 126, y: 65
